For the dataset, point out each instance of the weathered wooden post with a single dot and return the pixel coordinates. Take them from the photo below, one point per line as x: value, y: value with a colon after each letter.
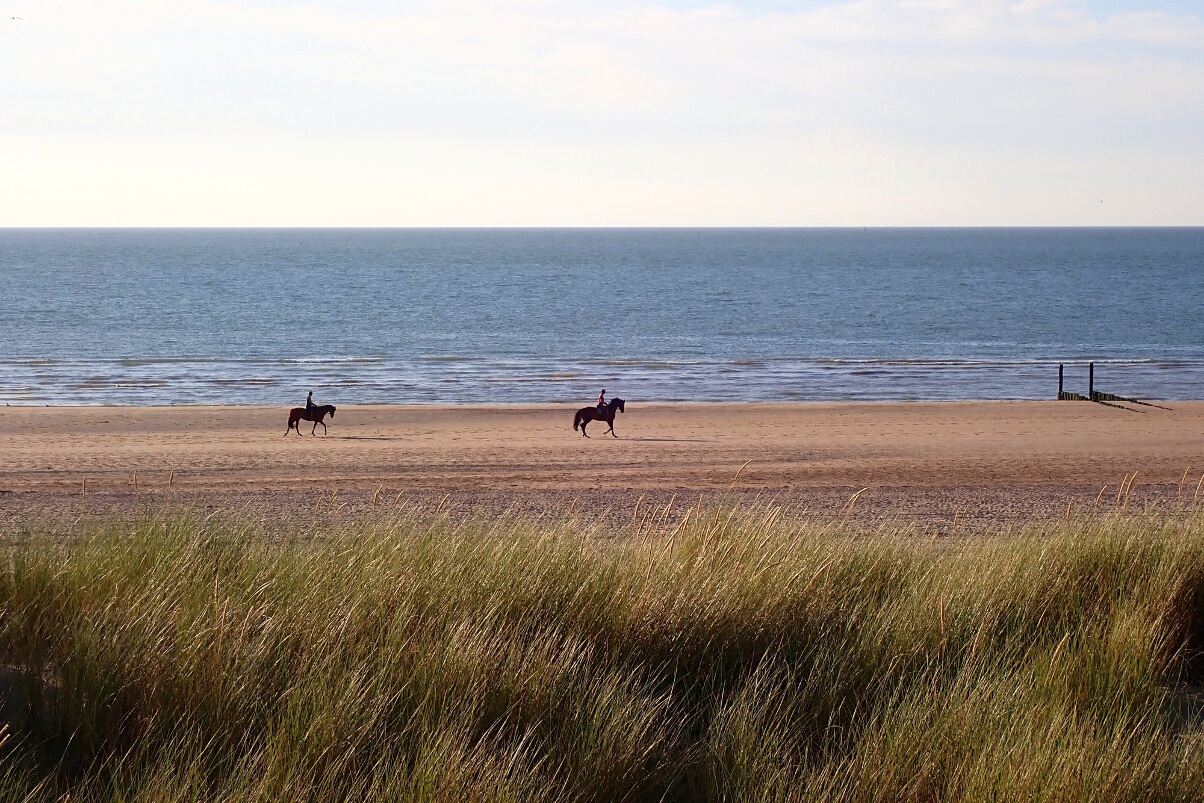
x: 1090, y: 380
x: 1059, y: 380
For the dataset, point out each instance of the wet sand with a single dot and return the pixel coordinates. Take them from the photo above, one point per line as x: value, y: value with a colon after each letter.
x: 985, y: 461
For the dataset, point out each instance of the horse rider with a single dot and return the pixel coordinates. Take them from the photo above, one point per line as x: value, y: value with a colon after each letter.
x: 309, y: 403
x: 602, y: 400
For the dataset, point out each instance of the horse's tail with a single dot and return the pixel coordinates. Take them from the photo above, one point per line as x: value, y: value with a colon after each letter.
x: 577, y: 420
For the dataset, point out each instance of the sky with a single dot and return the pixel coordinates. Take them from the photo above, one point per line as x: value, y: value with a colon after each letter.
x: 621, y: 113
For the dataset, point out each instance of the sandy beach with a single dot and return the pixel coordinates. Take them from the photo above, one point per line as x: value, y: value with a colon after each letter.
x: 990, y: 461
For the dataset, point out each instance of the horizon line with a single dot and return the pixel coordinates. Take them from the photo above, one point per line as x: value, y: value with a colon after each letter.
x: 586, y: 227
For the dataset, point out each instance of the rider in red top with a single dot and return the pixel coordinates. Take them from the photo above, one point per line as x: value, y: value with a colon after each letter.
x: 602, y: 399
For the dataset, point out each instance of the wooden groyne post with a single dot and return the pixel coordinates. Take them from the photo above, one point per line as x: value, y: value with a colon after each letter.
x: 1090, y: 380
x: 1059, y: 380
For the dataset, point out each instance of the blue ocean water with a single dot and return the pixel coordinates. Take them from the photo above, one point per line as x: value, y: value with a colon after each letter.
x: 514, y: 316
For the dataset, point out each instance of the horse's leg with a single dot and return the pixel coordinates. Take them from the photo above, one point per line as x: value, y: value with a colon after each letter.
x: 323, y: 423
x: 583, y: 425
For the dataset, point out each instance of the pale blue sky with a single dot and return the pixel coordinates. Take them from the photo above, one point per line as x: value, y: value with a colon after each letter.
x: 525, y: 112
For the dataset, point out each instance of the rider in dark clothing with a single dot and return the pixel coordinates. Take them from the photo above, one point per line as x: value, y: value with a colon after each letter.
x: 309, y: 402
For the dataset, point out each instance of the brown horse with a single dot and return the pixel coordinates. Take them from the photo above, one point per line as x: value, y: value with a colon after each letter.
x: 607, y: 414
x: 299, y: 414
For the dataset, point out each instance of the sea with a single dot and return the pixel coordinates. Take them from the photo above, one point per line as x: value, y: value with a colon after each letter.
x: 513, y: 316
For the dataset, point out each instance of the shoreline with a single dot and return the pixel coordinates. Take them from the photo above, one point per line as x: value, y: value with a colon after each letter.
x: 986, y: 461
x: 485, y: 381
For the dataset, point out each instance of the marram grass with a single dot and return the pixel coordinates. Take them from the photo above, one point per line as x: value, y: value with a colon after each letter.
x: 745, y: 657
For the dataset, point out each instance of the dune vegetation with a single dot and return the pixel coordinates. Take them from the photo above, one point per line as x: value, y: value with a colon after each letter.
x: 743, y: 656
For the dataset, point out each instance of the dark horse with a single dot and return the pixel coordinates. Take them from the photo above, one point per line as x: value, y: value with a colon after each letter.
x: 607, y: 414
x: 299, y: 414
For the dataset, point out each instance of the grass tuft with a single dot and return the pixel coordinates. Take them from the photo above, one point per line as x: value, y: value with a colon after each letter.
x: 744, y: 655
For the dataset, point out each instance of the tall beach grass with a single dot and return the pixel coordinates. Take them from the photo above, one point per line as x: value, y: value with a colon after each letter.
x: 745, y: 656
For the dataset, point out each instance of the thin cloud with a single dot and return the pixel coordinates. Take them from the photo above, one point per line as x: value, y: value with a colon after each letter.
x: 873, y: 106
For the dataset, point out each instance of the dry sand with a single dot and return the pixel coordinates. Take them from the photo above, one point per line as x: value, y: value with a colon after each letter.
x: 980, y: 461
